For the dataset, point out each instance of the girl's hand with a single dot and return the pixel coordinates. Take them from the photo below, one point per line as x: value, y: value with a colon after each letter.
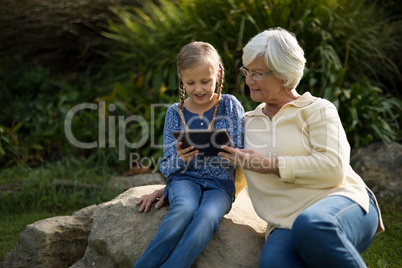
x: 146, y: 200
x: 186, y: 154
x: 250, y: 160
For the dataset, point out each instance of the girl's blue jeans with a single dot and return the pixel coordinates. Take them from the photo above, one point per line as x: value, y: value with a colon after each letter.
x: 331, y: 233
x: 195, y: 212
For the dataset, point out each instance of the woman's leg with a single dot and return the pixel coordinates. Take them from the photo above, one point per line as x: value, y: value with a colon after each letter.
x: 334, y: 231
x: 184, y: 197
x: 215, y: 203
x: 279, y: 252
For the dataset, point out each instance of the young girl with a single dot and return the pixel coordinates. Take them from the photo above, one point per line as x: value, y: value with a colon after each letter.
x: 200, y: 189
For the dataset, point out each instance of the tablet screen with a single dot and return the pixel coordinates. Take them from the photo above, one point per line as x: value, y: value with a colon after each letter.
x: 208, y: 142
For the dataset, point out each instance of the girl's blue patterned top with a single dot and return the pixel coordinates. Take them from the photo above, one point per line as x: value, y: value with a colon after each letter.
x: 203, y: 168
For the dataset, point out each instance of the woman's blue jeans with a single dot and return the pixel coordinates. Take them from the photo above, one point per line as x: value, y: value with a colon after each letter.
x: 331, y: 233
x: 195, y: 212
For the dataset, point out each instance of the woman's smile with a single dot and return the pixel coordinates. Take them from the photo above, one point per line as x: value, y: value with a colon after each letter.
x: 254, y: 91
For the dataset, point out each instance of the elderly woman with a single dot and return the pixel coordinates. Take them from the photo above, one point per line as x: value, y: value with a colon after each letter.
x: 319, y: 211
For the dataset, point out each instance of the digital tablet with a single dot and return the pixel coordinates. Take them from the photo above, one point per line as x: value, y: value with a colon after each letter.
x: 207, y: 142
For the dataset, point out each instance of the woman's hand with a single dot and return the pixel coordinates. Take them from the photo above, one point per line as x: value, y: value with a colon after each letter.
x: 146, y: 200
x: 186, y: 154
x: 250, y: 160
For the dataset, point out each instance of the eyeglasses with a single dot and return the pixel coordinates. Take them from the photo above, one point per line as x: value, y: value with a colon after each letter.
x: 253, y: 75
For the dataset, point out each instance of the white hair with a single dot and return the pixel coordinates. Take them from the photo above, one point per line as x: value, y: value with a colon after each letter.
x: 281, y: 53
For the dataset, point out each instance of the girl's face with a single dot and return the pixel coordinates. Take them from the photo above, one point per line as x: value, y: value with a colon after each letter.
x: 199, y: 82
x: 269, y: 88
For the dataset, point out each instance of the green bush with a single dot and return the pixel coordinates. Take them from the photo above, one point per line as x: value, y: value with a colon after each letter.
x: 347, y: 43
x: 31, y: 128
x: 34, y: 130
x: 350, y: 48
x: 31, y: 109
x: 366, y: 109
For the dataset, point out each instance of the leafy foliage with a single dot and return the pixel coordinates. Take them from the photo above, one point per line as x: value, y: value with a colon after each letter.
x: 38, y: 120
x: 31, y: 109
x: 366, y: 109
x: 349, y: 45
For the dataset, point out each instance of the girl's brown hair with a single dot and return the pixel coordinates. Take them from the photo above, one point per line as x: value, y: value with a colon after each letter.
x: 189, y: 56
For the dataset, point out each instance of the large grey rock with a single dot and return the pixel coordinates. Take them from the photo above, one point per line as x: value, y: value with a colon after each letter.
x: 127, y: 182
x: 380, y: 166
x: 54, y: 242
x: 120, y: 234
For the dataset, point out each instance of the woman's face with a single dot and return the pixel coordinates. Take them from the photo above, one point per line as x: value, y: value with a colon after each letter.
x: 199, y: 82
x: 269, y: 88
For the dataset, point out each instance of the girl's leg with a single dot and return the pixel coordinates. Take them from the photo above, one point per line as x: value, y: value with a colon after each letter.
x: 279, y: 252
x: 184, y: 197
x: 215, y: 203
x: 334, y: 231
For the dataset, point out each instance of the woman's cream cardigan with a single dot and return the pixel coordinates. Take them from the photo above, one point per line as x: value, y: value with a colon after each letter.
x: 307, y: 138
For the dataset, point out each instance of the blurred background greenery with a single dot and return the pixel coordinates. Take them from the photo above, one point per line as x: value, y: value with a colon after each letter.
x: 55, y: 55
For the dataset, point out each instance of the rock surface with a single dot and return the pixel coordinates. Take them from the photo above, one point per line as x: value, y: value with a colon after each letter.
x: 54, y: 242
x: 380, y: 166
x: 120, y: 234
x: 127, y: 182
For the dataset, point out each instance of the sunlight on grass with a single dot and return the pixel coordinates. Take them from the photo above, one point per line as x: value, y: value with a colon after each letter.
x: 386, y: 250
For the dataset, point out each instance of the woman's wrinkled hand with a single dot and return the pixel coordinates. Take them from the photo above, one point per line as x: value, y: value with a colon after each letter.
x: 146, y: 200
x: 186, y: 154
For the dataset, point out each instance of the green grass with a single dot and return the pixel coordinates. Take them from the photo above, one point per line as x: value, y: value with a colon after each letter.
x: 31, y: 194
x: 386, y: 250
x: 61, y: 186
x: 19, y: 205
